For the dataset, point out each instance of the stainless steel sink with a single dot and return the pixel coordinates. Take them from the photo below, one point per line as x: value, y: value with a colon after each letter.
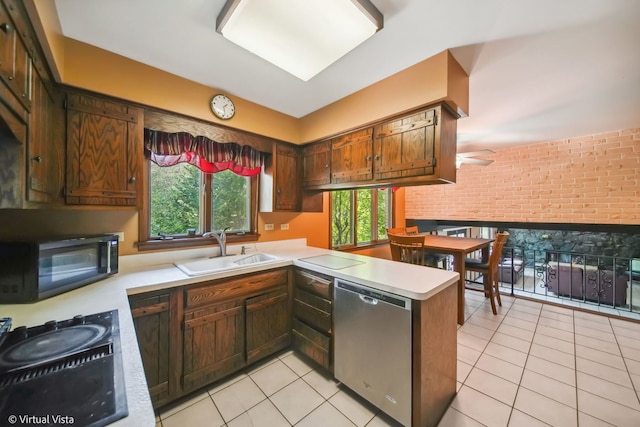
x: 203, y: 266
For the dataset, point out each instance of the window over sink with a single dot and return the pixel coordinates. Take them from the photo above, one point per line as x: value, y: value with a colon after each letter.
x: 185, y: 202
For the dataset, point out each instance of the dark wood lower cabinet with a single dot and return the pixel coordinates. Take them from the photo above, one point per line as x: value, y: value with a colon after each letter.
x: 192, y: 336
x: 312, y: 317
x: 268, y: 324
x: 152, y: 322
x: 213, y: 343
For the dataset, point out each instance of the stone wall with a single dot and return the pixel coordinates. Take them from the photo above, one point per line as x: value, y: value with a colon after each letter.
x: 529, y: 243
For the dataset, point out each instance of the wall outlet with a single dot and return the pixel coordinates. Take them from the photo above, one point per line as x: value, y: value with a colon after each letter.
x: 284, y: 226
x: 268, y: 227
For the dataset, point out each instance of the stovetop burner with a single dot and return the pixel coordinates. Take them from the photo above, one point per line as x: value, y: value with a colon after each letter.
x: 71, y: 368
x: 50, y: 345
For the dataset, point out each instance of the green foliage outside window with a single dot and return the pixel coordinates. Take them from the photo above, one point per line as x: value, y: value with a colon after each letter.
x: 175, y: 200
x: 363, y: 216
x: 230, y: 202
x: 341, y: 218
x: 359, y: 216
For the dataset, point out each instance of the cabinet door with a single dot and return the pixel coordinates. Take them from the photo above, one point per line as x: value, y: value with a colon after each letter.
x: 268, y: 323
x: 213, y: 343
x: 15, y: 58
x: 151, y: 321
x: 104, y: 150
x: 44, y: 155
x: 351, y: 157
x: 287, y: 181
x: 316, y: 162
x: 406, y: 147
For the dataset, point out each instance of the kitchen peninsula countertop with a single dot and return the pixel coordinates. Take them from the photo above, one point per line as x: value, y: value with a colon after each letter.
x: 154, y: 271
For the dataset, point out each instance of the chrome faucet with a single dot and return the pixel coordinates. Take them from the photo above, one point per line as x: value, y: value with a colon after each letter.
x: 221, y: 238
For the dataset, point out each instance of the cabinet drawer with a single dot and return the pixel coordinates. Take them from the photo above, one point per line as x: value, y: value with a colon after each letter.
x: 222, y: 289
x: 316, y: 284
x: 312, y: 315
x: 312, y: 343
x: 321, y: 304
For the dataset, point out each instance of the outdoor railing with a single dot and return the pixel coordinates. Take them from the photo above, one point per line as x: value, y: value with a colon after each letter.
x: 598, y: 280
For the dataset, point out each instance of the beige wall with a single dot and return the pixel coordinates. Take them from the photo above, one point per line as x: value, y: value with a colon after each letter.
x: 592, y: 179
x: 439, y: 78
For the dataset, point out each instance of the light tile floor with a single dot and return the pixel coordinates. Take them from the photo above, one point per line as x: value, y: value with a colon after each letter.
x: 533, y: 364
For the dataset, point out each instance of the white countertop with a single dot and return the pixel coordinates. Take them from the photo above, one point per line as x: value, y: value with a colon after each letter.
x: 153, y: 271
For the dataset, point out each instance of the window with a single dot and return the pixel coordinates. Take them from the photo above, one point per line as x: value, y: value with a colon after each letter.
x: 178, y: 205
x: 360, y: 217
x: 184, y: 200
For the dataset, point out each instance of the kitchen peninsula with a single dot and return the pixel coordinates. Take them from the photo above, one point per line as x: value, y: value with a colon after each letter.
x: 433, y: 292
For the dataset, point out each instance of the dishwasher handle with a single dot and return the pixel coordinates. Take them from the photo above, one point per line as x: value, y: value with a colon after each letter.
x: 368, y: 300
x: 370, y: 295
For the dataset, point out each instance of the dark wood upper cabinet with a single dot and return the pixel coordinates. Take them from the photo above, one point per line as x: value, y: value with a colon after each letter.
x: 287, y: 181
x: 104, y: 151
x: 45, y: 153
x: 281, y: 186
x: 352, y: 157
x: 405, y: 147
x: 16, y: 51
x: 316, y: 162
x: 413, y: 149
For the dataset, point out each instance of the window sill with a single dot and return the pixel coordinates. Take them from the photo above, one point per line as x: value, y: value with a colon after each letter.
x: 192, y: 242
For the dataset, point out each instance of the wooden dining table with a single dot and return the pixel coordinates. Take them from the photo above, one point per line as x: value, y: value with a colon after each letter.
x: 459, y: 247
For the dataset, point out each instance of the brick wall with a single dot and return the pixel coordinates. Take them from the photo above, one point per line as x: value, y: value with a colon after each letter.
x: 590, y: 180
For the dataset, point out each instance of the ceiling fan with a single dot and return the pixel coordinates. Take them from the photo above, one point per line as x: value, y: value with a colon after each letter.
x: 469, y: 158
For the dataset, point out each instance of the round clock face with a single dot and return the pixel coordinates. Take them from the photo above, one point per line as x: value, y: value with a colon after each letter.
x: 222, y: 107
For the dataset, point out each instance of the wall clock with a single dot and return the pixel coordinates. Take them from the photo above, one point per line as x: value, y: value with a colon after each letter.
x: 222, y: 107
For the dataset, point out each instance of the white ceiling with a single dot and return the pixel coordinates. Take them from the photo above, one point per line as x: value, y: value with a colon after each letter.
x: 539, y: 70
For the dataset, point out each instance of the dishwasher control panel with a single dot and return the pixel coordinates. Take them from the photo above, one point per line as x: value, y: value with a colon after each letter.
x: 375, y: 294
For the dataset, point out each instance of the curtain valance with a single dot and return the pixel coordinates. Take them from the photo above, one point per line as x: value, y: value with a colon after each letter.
x: 168, y: 149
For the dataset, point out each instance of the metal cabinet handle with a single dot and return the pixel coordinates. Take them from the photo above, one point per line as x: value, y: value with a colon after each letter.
x: 37, y: 159
x: 368, y: 157
x: 377, y: 157
x: 5, y: 27
x: 132, y: 180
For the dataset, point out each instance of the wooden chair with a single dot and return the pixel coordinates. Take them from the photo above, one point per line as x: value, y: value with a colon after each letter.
x: 407, y: 249
x: 396, y: 230
x: 431, y: 259
x: 490, y: 269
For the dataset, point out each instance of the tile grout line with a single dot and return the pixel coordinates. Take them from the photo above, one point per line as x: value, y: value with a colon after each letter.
x: 513, y: 406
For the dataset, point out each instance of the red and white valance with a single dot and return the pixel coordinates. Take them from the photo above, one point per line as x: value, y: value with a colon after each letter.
x: 169, y: 149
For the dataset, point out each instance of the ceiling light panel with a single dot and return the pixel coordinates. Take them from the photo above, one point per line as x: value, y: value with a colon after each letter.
x: 302, y: 37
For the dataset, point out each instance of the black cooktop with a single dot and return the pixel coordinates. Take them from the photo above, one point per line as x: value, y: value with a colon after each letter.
x: 66, y: 372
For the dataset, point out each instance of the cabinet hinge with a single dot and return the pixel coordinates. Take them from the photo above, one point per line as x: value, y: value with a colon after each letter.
x: 435, y: 120
x: 435, y: 162
x: 65, y: 104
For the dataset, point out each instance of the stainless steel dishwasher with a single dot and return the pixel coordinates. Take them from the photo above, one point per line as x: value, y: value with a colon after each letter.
x: 372, y: 346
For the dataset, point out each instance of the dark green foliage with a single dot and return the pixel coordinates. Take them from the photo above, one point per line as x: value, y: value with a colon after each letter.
x: 175, y: 204
x: 230, y: 201
x: 175, y: 200
x: 341, y: 217
x: 366, y: 202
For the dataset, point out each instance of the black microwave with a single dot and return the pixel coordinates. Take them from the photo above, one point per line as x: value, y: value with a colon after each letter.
x: 33, y: 270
